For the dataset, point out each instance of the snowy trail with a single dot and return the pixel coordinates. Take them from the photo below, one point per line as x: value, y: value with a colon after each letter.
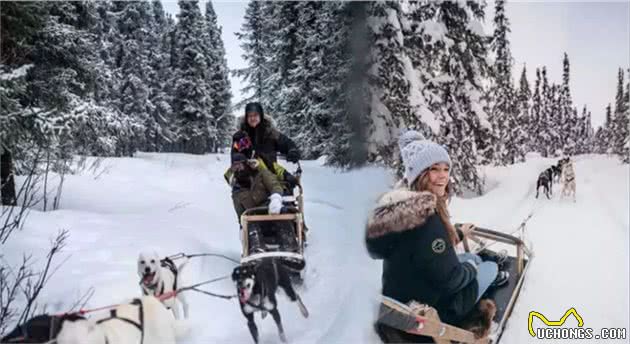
x: 180, y: 203
x: 581, y: 257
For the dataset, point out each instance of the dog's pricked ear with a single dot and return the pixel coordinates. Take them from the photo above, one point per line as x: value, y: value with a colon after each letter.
x: 235, y: 273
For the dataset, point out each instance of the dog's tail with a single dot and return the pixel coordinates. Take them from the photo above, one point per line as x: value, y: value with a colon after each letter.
x: 181, y: 328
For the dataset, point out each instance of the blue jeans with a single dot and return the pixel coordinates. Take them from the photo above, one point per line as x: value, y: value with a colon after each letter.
x: 486, y: 271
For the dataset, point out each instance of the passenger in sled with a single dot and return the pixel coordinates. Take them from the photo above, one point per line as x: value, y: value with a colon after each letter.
x: 254, y: 186
x: 241, y: 143
x: 411, y: 232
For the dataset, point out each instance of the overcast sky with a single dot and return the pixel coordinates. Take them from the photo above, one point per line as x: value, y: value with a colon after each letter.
x: 596, y: 35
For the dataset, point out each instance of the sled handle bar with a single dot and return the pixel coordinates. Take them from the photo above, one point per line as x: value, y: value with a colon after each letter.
x: 502, y: 237
x: 521, y: 248
x: 498, y: 236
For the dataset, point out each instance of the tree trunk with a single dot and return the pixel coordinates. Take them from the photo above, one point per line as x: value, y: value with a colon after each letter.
x: 7, y: 182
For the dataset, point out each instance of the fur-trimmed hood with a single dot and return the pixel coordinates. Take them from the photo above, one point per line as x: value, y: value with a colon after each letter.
x: 397, y: 211
x: 270, y: 123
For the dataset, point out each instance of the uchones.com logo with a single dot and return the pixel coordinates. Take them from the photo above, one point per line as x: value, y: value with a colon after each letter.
x: 555, y: 329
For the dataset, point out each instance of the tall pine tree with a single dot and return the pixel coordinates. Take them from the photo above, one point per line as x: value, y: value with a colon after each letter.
x: 221, y: 122
x: 524, y: 104
x: 192, y: 104
x: 504, y: 116
x: 620, y: 120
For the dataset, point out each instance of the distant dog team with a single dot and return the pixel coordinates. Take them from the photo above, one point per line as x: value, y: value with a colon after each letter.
x: 562, y: 172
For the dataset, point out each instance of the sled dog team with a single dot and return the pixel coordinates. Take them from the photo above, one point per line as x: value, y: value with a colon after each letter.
x: 563, y: 172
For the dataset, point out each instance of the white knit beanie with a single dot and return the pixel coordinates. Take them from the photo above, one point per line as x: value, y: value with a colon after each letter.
x: 418, y: 154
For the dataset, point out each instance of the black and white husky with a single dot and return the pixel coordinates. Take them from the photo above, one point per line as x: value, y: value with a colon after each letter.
x: 257, y: 284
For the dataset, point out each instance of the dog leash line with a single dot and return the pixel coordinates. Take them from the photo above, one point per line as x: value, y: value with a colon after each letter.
x: 227, y: 297
x: 182, y: 255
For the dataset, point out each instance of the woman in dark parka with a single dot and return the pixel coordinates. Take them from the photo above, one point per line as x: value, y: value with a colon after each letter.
x: 411, y: 232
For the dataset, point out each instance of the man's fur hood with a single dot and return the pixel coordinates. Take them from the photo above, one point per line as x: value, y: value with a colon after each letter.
x: 270, y: 123
x: 396, y: 211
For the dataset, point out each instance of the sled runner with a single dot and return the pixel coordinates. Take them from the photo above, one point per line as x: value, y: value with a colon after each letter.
x: 414, y: 322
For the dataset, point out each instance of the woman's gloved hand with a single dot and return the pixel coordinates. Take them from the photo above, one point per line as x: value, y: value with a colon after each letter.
x: 275, y: 204
x: 464, y: 230
x: 293, y: 156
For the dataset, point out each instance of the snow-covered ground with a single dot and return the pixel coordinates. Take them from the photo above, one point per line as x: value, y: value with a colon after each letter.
x: 180, y: 203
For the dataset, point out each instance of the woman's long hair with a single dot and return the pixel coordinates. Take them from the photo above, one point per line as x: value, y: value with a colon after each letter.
x: 422, y: 184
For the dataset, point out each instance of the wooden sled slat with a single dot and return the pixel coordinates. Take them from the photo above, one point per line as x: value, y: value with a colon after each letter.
x: 424, y: 322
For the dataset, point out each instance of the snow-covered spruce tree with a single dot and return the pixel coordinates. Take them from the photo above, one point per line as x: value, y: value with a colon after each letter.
x: 579, y: 132
x: 298, y: 62
x: 283, y: 25
x: 21, y: 22
x: 510, y: 135
x: 388, y: 83
x: 607, y: 132
x: 221, y: 124
x: 62, y: 82
x: 620, y: 121
x: 590, y: 132
x: 433, y: 82
x: 571, y: 140
x: 626, y: 146
x: 158, y: 128
x: 545, y: 120
x: 393, y: 82
x: 192, y: 103
x: 459, y: 64
x: 524, y: 99
x: 584, y: 133
x: 134, y: 68
x: 255, y: 47
x: 312, y: 92
x: 534, y: 129
x: 555, y: 125
x: 107, y: 39
x: 566, y: 118
x: 23, y: 129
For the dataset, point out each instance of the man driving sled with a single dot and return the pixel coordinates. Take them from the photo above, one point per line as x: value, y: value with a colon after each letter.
x: 252, y: 186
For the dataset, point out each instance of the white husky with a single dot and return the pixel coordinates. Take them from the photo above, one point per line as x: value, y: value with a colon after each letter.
x: 143, y: 321
x: 159, y: 276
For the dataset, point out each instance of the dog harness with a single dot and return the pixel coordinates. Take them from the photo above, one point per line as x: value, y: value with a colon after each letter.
x: 113, y: 315
x: 263, y: 292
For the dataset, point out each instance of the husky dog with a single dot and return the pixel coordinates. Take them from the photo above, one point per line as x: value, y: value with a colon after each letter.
x: 144, y: 320
x: 568, y: 180
x: 159, y: 276
x: 257, y: 285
